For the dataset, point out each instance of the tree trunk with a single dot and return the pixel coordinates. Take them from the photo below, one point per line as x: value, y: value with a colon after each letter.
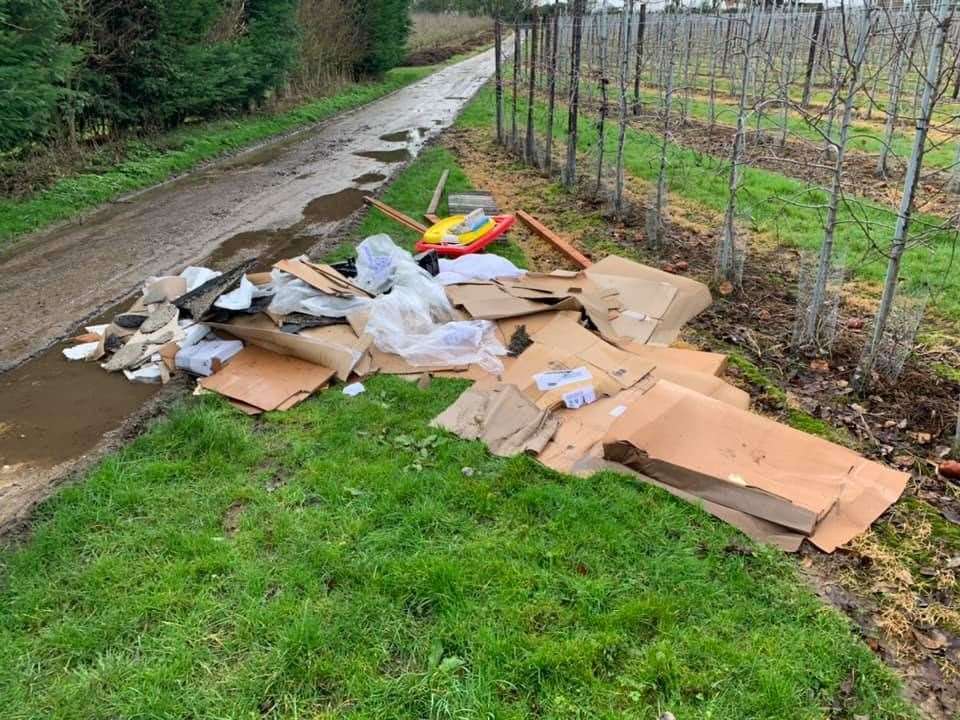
x: 498, y: 72
x: 641, y: 29
x: 574, y: 106
x: 812, y: 55
x: 727, y: 255
x: 621, y: 139
x: 814, y: 312
x: 931, y: 80
x: 517, y: 59
x: 604, y: 97
x: 530, y: 148
x: 552, y: 88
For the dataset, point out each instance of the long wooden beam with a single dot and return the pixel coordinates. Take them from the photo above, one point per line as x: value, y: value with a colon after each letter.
x: 438, y: 193
x: 551, y: 237
x: 396, y: 215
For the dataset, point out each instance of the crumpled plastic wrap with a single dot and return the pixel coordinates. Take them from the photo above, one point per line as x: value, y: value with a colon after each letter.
x: 292, y: 295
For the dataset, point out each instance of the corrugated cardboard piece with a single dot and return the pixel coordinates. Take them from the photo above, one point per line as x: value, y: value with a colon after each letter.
x: 644, y: 289
x: 335, y: 346
x: 502, y: 417
x: 267, y: 381
x: 690, y: 441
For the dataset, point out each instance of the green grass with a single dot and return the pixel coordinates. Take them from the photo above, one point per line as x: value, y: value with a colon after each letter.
x: 771, y: 204
x: 370, y: 578
x: 154, y: 160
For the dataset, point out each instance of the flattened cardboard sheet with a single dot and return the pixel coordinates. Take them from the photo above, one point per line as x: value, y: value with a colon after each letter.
x: 689, y: 300
x: 334, y: 346
x: 266, y: 380
x: 500, y: 416
x: 683, y: 433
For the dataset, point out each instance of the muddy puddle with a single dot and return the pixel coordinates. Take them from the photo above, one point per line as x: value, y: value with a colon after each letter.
x: 401, y: 136
x: 52, y: 410
x: 369, y: 178
x: 386, y: 156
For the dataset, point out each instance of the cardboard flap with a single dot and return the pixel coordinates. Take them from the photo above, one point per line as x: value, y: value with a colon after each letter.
x: 321, y: 277
x: 335, y: 346
x: 502, y: 417
x: 266, y: 380
x: 681, y: 359
x: 490, y: 302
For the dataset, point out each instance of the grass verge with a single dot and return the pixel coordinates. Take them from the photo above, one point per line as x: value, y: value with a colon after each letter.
x: 335, y: 560
x: 153, y: 160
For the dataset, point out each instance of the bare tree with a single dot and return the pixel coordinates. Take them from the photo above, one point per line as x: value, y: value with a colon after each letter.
x: 931, y: 82
x: 570, y: 175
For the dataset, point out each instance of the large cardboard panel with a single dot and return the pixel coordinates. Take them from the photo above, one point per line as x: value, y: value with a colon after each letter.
x: 690, y: 299
x: 335, y: 346
x: 267, y: 380
x: 490, y: 301
x: 694, y: 360
x: 682, y: 433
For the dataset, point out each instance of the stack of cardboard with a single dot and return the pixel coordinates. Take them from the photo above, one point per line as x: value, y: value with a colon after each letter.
x: 599, y: 373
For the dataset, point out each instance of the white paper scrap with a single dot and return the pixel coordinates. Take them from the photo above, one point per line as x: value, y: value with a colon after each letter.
x: 576, y: 399
x: 354, y: 389
x: 558, y: 378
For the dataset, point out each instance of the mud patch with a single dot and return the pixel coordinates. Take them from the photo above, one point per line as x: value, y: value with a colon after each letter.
x: 386, y: 156
x: 336, y: 206
x: 400, y: 136
x: 42, y: 403
x: 232, y: 517
x: 369, y: 178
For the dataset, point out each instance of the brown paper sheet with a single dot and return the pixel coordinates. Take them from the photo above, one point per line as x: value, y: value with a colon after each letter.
x: 500, y: 416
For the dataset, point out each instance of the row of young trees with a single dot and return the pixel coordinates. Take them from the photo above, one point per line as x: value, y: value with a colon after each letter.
x: 783, y: 82
x: 80, y: 69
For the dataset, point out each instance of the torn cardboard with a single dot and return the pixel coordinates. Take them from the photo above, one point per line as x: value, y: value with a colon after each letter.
x: 642, y: 289
x: 334, y: 346
x: 501, y: 417
x: 687, y: 440
x: 266, y: 380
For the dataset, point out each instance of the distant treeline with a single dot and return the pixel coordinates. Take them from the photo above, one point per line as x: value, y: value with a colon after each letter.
x: 72, y: 70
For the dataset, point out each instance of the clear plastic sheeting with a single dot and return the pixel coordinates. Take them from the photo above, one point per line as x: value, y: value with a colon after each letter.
x: 474, y: 267
x: 378, y: 258
x: 292, y: 295
x: 402, y: 323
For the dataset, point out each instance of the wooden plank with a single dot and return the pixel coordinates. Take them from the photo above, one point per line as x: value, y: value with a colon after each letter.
x: 462, y: 203
x: 437, y: 194
x: 395, y: 214
x: 432, y: 219
x: 558, y: 242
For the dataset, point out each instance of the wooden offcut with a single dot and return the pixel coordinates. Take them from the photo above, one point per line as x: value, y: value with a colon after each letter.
x: 395, y: 214
x: 437, y: 194
x: 568, y: 250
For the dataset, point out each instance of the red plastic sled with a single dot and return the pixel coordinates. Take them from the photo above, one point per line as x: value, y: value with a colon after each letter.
x: 502, y: 224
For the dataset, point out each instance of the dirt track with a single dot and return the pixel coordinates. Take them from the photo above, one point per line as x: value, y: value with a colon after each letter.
x: 277, y: 200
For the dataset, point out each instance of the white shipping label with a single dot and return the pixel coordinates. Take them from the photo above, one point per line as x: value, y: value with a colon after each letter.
x: 559, y: 378
x: 578, y: 398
